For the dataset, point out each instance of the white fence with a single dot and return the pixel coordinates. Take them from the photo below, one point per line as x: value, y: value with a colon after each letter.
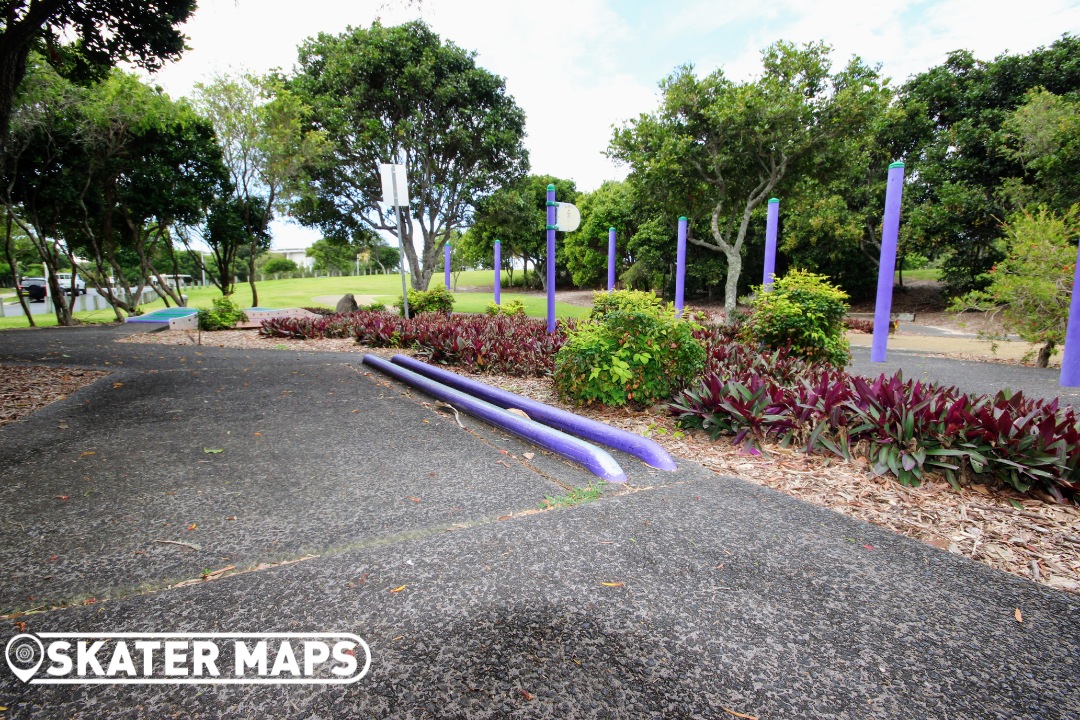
x: 83, y: 303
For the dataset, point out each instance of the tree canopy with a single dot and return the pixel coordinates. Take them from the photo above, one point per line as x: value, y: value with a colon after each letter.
x: 83, y: 38
x: 400, y: 93
x: 722, y: 147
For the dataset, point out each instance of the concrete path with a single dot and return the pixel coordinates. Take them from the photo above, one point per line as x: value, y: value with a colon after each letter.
x: 721, y: 596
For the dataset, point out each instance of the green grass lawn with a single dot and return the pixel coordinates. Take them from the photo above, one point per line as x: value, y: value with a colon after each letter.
x: 301, y: 292
x: 920, y: 274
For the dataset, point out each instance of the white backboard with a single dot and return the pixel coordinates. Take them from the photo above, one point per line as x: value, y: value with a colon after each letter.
x: 391, y: 174
x: 567, y: 217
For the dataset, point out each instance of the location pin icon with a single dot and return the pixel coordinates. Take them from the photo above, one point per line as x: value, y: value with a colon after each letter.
x: 24, y: 655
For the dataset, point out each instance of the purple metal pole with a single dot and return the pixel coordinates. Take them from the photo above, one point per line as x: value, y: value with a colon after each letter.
x: 611, y: 259
x: 890, y: 229
x: 498, y: 272
x: 770, y: 243
x: 552, y: 218
x: 1070, y: 359
x: 680, y: 267
x: 446, y: 265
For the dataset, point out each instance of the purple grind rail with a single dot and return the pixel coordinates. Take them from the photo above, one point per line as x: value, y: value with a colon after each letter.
x: 640, y: 447
x: 594, y: 459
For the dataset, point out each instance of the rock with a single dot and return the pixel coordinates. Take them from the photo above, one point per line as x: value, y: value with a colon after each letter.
x: 518, y: 411
x: 346, y: 304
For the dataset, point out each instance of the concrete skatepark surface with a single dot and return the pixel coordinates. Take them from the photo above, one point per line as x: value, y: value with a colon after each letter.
x: 721, y: 596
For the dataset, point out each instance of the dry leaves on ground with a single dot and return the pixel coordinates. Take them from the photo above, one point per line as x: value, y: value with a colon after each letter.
x: 26, y: 388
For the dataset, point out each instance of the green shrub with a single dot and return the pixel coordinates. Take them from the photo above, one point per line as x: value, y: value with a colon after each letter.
x: 375, y: 307
x: 223, y: 316
x: 805, y: 310
x: 437, y: 299
x: 605, y: 303
x: 511, y: 308
x: 637, y: 356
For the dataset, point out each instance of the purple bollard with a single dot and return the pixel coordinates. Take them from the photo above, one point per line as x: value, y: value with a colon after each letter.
x: 611, y: 259
x: 446, y: 265
x: 552, y: 218
x: 770, y: 244
x: 1070, y: 359
x: 890, y: 230
x: 498, y: 272
x: 680, y: 267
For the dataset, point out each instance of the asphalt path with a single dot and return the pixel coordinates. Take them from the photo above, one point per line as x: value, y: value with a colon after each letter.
x: 687, y: 595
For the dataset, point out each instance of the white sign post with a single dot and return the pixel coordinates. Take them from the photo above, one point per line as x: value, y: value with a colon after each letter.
x: 395, y: 190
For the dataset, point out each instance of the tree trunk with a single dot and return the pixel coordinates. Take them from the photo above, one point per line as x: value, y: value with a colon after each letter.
x: 731, y: 287
x: 10, y: 259
x: 1043, y: 360
x: 251, y: 281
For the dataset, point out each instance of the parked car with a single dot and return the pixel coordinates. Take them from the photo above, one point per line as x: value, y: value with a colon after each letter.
x: 65, y: 283
x: 33, y: 287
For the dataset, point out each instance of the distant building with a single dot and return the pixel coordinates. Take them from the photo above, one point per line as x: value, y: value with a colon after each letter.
x: 297, y: 255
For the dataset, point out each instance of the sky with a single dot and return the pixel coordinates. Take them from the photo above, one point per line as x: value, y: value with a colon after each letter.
x: 578, y: 68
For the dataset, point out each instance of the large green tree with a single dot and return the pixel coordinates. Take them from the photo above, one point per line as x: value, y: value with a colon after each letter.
x: 80, y: 37
x: 731, y: 145
x: 259, y: 125
x: 386, y: 93
x: 516, y: 216
x: 966, y: 160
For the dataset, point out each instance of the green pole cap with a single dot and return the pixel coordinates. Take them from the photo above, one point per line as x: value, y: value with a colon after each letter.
x: 551, y: 187
x: 773, y: 200
x: 896, y: 165
x: 682, y: 218
x: 611, y: 229
x: 498, y: 242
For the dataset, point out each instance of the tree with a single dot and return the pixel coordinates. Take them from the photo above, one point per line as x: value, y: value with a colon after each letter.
x: 962, y: 170
x: 80, y: 38
x: 731, y: 145
x: 586, y: 249
x: 280, y: 265
x: 1043, y: 134
x: 1031, y: 288
x: 143, y: 164
x: 387, y: 93
x: 258, y: 123
x: 516, y: 215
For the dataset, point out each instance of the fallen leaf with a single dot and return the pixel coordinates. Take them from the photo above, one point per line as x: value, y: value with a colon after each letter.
x: 88, y: 453
x: 54, y: 558
x: 20, y: 626
x: 258, y: 434
x: 191, y: 527
x: 399, y: 588
x: 231, y: 517
x: 118, y: 385
x: 613, y: 584
x: 739, y: 714
x: 425, y: 421
x: 414, y: 498
x: 62, y: 426
x: 65, y: 498
x: 526, y: 694
x: 528, y: 456
x: 868, y: 546
x: 89, y: 601
x: 213, y: 451
x: 1018, y: 615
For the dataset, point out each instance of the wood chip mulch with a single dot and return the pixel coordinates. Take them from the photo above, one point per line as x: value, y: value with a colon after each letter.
x: 1025, y: 536
x: 26, y: 388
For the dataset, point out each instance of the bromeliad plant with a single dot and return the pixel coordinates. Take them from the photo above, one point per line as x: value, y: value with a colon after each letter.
x: 903, y: 427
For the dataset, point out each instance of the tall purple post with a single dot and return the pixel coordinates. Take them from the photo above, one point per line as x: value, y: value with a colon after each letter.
x: 498, y: 272
x: 1070, y: 359
x: 446, y: 265
x: 552, y: 218
x: 680, y: 267
x: 770, y: 243
x: 890, y: 230
x: 611, y: 259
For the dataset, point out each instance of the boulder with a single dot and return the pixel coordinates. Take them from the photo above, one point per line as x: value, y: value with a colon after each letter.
x: 346, y: 304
